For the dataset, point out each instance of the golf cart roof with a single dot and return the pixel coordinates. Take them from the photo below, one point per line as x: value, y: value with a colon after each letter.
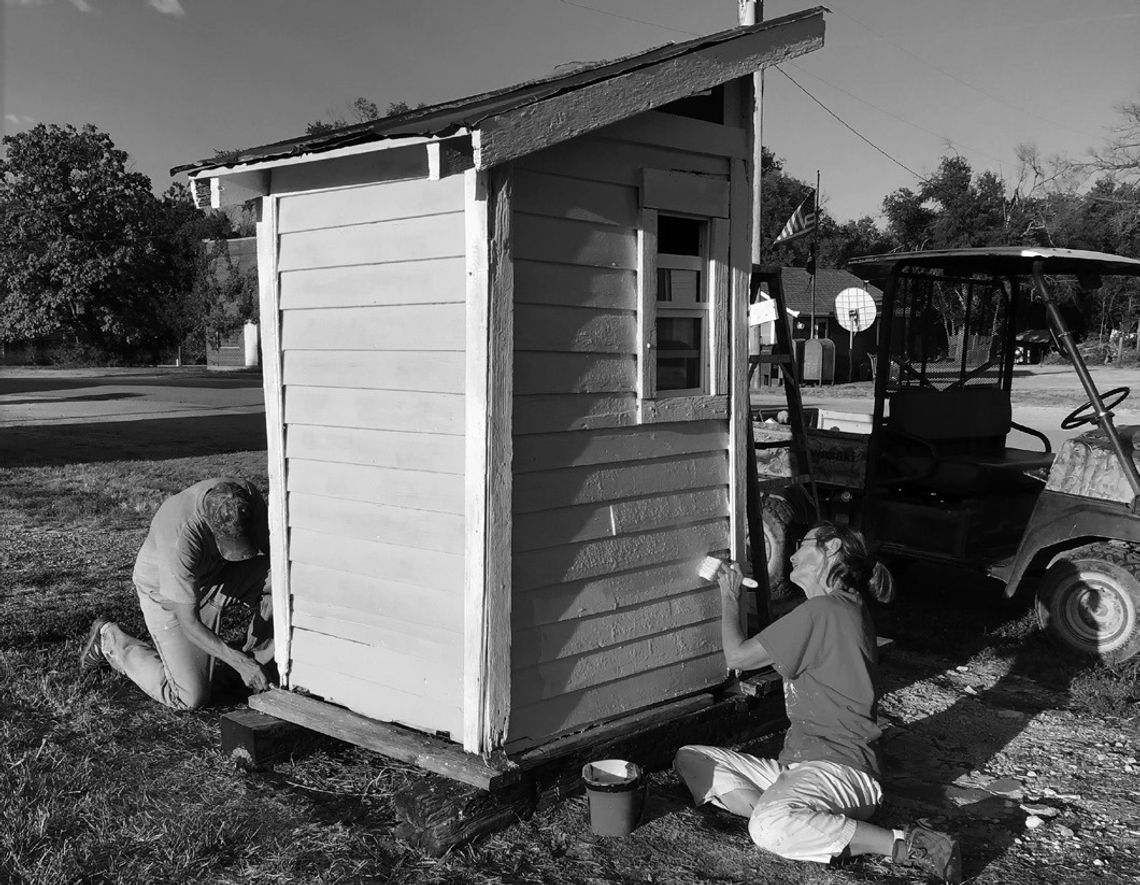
x: 998, y: 260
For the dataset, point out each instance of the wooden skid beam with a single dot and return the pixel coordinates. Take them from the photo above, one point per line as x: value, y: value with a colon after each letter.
x: 439, y: 815
x: 425, y: 751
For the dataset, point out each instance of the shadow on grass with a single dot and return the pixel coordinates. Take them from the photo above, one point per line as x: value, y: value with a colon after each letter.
x: 139, y: 440
x: 89, y: 398
x: 198, y: 378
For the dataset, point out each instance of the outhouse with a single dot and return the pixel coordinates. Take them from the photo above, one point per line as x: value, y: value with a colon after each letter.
x: 504, y: 356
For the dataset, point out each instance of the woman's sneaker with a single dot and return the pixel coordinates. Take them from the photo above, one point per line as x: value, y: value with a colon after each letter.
x: 92, y: 657
x: 935, y: 852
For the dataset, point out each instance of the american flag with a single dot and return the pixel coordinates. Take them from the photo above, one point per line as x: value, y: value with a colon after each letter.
x: 802, y: 222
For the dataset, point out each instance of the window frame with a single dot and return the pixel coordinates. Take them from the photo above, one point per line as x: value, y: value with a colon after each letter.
x: 703, y: 198
x: 701, y: 309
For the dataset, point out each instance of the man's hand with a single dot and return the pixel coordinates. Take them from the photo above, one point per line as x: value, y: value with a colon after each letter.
x: 253, y: 675
x: 206, y: 639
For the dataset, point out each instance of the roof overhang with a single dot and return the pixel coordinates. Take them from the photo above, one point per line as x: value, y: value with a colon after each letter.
x: 514, y: 122
x: 998, y: 261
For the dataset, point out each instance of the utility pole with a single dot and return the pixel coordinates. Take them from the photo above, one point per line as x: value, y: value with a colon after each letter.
x: 751, y: 12
x: 814, y: 250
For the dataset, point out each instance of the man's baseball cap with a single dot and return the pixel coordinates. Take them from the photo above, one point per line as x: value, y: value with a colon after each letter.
x: 229, y: 514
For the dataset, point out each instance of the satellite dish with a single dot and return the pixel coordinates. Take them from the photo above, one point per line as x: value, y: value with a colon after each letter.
x: 855, y: 309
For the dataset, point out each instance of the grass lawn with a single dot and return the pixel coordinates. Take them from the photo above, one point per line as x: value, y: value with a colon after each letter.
x: 100, y: 784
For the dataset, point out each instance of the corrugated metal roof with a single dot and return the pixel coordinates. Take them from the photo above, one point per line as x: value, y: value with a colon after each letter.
x: 450, y: 117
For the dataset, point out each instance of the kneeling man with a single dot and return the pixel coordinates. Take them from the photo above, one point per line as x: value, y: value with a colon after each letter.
x: 207, y: 547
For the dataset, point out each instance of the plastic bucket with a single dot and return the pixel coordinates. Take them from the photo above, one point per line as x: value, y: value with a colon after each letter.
x: 616, y: 790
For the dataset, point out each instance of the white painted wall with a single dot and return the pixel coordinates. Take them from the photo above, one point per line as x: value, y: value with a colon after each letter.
x: 611, y: 518
x: 372, y: 288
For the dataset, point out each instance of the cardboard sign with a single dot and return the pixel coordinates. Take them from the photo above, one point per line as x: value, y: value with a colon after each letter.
x: 761, y: 312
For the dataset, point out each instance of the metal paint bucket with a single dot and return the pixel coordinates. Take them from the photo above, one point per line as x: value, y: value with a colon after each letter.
x: 616, y: 790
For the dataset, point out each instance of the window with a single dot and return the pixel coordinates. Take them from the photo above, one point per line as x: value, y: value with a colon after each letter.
x: 683, y: 309
x: 681, y: 328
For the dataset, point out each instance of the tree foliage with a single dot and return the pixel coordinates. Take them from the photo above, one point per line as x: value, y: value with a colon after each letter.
x: 203, y: 293
x: 1120, y: 156
x: 88, y: 254
x: 79, y: 226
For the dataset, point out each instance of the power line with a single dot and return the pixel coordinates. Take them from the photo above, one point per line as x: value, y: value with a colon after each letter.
x: 843, y: 122
x: 956, y: 78
x: 848, y: 126
x: 951, y: 141
x: 639, y: 21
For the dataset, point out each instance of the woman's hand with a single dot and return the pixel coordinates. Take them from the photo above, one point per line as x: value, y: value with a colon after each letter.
x: 730, y: 579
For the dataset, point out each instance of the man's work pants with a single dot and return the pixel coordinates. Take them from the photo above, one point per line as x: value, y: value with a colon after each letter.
x: 174, y: 671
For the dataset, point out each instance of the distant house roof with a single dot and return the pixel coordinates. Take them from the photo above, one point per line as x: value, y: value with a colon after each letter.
x: 828, y: 284
x: 530, y: 109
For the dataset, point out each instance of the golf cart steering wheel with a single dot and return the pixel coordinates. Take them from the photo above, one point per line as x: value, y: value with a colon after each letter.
x: 1076, y: 417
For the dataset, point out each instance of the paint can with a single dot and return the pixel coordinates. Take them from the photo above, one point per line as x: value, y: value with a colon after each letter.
x: 616, y: 791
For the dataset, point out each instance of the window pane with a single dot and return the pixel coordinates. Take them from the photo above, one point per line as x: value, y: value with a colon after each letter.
x: 680, y: 354
x: 679, y: 286
x: 679, y: 236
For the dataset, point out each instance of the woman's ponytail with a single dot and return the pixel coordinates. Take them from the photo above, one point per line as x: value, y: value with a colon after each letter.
x: 855, y: 569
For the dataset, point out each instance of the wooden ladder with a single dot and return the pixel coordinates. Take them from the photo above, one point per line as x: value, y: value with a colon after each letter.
x: 782, y: 354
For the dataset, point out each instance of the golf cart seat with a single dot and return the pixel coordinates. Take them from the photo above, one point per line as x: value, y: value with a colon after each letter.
x: 953, y: 441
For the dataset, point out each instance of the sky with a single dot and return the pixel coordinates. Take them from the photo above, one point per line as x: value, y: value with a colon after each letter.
x: 897, y: 85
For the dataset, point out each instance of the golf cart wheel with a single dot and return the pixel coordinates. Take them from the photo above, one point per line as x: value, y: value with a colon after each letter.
x: 777, y: 515
x: 780, y: 527
x: 1089, y: 598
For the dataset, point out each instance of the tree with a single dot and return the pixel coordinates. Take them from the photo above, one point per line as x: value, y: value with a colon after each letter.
x: 183, y: 303
x: 78, y: 253
x: 1120, y: 157
x: 781, y: 194
x: 838, y: 244
x: 952, y: 209
x: 360, y: 110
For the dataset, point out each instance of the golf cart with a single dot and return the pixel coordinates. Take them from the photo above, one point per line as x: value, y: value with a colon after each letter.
x: 944, y: 474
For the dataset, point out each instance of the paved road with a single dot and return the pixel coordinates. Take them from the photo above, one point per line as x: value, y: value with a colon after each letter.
x: 58, y: 415
x: 51, y: 416
x: 61, y: 396
x: 1041, y: 386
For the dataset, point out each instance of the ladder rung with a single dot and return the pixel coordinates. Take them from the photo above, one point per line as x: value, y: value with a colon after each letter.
x: 776, y: 444
x: 781, y: 482
x: 771, y: 358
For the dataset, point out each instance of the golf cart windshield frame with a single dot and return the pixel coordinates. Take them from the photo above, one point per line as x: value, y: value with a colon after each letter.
x: 1009, y: 263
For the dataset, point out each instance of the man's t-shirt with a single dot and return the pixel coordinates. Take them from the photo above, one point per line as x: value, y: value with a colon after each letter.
x: 826, y: 651
x: 179, y: 559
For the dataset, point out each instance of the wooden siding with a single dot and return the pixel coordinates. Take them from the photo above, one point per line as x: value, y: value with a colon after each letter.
x: 611, y: 517
x: 372, y: 287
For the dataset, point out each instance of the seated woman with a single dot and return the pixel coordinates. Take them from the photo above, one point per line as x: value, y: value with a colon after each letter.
x: 813, y: 802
